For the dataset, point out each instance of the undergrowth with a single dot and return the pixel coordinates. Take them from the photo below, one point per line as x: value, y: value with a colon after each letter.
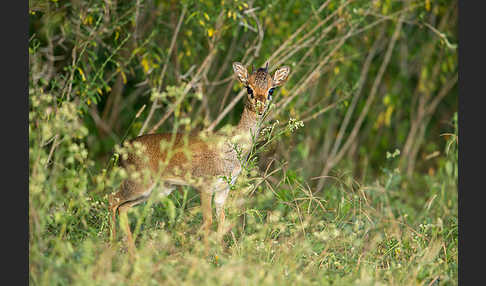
x: 279, y: 233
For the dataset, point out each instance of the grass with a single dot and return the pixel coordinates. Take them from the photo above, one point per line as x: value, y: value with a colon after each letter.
x: 351, y: 234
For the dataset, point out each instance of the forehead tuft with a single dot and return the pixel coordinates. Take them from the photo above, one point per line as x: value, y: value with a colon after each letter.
x: 260, y: 78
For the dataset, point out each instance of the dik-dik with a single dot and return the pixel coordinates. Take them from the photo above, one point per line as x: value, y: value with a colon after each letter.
x: 204, y: 161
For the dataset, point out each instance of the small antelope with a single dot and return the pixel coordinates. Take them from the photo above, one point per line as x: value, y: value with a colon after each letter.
x: 201, y: 160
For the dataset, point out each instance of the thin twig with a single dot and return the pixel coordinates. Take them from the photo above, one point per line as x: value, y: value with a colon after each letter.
x: 102, y: 124
x: 161, y: 80
x: 362, y: 80
x: 315, y: 72
x: 296, y: 33
x: 186, y: 90
x: 226, y: 110
x: 332, y: 161
x: 323, y: 110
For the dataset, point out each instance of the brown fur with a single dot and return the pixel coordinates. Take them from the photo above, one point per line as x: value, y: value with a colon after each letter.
x: 199, y: 160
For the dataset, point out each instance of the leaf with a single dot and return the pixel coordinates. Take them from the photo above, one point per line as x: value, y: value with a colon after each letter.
x: 82, y: 74
x: 210, y: 32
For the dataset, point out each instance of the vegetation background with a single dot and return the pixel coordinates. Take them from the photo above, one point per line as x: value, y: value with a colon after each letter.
x: 354, y: 183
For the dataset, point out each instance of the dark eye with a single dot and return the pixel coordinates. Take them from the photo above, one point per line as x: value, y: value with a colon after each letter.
x: 270, y: 92
x: 250, y: 91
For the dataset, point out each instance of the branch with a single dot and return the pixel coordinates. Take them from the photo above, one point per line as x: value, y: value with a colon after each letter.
x: 365, y: 109
x: 161, y: 80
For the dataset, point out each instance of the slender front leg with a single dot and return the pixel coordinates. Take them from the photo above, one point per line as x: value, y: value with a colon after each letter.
x: 221, y: 218
x: 219, y: 200
x: 207, y: 215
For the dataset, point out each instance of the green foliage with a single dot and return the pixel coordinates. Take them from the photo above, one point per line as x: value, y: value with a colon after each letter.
x: 352, y: 181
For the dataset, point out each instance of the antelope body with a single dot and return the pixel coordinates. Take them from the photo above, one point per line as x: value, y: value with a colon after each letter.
x: 199, y: 160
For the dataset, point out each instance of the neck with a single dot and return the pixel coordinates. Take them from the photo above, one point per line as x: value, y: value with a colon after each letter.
x: 247, y: 128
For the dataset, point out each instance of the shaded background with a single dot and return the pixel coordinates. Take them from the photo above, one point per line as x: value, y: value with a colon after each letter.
x: 367, y: 76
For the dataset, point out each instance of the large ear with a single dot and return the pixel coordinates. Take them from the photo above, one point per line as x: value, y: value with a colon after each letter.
x: 280, y: 76
x: 241, y: 72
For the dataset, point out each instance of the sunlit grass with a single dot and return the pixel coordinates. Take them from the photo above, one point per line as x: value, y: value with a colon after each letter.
x: 361, y: 236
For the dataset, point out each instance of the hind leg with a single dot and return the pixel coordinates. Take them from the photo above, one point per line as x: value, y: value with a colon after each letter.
x: 122, y: 210
x: 129, y: 195
x: 114, y: 203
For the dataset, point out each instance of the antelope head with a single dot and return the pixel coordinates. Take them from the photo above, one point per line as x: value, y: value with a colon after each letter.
x: 260, y: 85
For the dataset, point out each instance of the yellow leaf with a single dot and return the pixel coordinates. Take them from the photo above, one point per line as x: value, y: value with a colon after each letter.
x: 88, y: 20
x: 210, y: 32
x: 99, y: 91
x: 124, y: 77
x: 82, y: 74
x: 427, y: 5
x: 145, y: 65
x: 206, y: 16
